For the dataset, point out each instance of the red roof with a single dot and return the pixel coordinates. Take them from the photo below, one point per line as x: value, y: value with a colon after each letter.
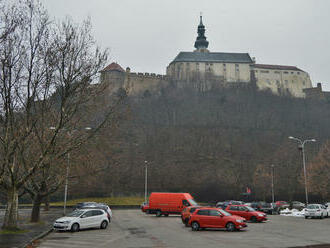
x: 114, y: 67
x: 277, y: 67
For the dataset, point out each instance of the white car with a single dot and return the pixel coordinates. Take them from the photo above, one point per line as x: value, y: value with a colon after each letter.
x: 82, y: 219
x: 102, y: 206
x: 316, y: 211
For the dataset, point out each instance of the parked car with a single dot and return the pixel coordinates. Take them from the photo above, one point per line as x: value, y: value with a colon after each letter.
x: 234, y: 202
x: 268, y: 208
x: 297, y: 205
x: 169, y: 203
x: 83, y: 204
x: 145, y: 207
x: 82, y: 219
x: 246, y: 212
x: 316, y: 211
x: 186, y: 214
x: 221, y: 205
x: 224, y: 204
x: 207, y: 217
x: 102, y: 206
x: 282, y: 204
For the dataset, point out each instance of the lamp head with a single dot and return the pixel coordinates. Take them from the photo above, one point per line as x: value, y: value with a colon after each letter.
x: 290, y: 137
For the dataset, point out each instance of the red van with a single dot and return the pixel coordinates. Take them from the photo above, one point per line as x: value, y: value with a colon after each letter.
x: 169, y: 203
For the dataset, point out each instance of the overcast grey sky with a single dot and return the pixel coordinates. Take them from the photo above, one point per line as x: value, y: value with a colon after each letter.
x: 146, y: 35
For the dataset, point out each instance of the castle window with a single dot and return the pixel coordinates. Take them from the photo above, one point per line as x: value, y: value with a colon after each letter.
x: 264, y: 71
x: 277, y: 72
x: 255, y: 71
x: 211, y: 64
x: 298, y: 72
x: 224, y: 65
x: 237, y: 67
x: 286, y: 72
x: 292, y: 72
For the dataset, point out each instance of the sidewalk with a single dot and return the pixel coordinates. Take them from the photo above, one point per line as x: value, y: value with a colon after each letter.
x: 32, y: 230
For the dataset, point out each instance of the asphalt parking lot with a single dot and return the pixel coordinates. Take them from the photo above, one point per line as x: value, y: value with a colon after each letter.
x: 133, y: 229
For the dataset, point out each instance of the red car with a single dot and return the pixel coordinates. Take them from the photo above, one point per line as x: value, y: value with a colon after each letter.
x: 215, y: 218
x: 145, y: 207
x: 282, y: 204
x: 186, y: 213
x: 247, y: 213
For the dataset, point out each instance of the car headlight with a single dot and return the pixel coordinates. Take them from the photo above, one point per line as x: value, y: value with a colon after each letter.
x: 239, y: 221
x: 261, y: 215
x: 66, y: 222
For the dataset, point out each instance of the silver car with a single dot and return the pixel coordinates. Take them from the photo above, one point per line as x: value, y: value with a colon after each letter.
x: 316, y: 211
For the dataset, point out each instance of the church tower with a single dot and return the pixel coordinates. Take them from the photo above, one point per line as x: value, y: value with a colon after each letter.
x: 201, y: 43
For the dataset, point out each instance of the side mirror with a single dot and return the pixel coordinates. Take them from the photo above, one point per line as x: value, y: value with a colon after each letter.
x: 83, y: 216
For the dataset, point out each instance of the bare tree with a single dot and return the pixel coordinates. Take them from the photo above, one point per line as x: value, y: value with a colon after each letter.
x: 46, y: 75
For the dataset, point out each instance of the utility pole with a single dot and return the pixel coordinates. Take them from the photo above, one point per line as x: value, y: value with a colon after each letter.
x: 66, y: 184
x: 146, y: 181
x: 273, y: 194
x: 302, y: 146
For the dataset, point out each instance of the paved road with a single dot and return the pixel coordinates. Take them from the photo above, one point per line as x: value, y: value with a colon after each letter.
x: 133, y: 229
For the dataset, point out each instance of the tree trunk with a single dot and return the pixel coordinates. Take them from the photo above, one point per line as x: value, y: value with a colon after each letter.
x: 35, y: 214
x: 46, y: 208
x: 11, y: 215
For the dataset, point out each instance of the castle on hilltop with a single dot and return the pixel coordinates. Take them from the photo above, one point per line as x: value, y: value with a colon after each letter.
x: 203, y: 65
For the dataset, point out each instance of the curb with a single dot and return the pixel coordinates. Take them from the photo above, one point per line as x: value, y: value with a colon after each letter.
x: 40, y: 236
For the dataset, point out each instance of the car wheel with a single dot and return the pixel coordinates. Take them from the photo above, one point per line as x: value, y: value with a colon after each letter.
x: 186, y: 222
x: 306, y: 217
x: 104, y: 224
x: 166, y: 215
x: 158, y: 213
x: 230, y: 227
x: 195, y: 226
x: 75, y: 227
x: 321, y: 217
x: 253, y: 219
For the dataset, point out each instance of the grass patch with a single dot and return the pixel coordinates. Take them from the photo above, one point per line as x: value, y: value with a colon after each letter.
x: 16, y: 231
x: 132, y: 200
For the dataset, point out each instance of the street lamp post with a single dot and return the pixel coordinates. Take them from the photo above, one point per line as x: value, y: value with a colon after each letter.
x: 67, y: 172
x: 146, y: 181
x: 273, y: 194
x: 302, y: 146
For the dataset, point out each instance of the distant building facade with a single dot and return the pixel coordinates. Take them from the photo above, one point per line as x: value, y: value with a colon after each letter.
x: 231, y: 67
x: 202, y: 64
x: 281, y: 79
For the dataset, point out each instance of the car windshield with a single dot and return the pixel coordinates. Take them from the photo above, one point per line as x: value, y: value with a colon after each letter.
x: 312, y: 207
x: 75, y: 213
x: 192, y: 202
x: 224, y: 212
x: 250, y: 209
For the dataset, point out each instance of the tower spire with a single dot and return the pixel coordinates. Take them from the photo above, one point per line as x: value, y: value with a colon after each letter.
x: 201, y: 43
